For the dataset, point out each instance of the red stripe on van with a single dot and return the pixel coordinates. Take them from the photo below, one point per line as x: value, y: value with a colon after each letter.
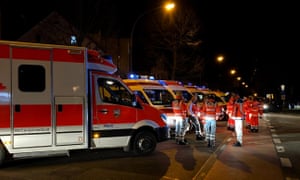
x: 31, y: 53
x: 4, y: 116
x: 70, y: 115
x: 35, y: 115
x: 68, y: 55
x: 4, y: 51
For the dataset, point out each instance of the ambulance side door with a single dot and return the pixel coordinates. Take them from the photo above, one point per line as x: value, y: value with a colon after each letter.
x: 113, y: 104
x: 31, y: 97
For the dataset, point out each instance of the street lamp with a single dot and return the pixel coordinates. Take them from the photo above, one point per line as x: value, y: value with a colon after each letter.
x: 220, y: 59
x: 232, y: 71
x: 169, y: 6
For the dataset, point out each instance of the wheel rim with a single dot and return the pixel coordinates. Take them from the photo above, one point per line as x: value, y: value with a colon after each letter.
x: 145, y: 144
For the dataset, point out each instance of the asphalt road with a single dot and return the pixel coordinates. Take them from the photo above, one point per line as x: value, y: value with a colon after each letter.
x: 169, y: 161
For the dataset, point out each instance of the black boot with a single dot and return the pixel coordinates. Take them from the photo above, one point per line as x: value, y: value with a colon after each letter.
x: 208, y: 143
x: 199, y: 137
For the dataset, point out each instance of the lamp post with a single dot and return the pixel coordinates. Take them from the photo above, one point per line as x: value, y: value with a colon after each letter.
x: 220, y: 59
x: 168, y: 7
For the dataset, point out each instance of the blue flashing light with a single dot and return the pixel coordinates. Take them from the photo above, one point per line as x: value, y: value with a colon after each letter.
x: 133, y: 76
x: 162, y: 82
x: 151, y: 77
x: 136, y: 76
x: 180, y: 83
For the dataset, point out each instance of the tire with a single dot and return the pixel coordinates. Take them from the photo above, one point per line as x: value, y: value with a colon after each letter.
x: 144, y: 143
x: 2, y: 154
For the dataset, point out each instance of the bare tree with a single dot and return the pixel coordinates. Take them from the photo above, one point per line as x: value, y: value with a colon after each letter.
x: 177, y: 38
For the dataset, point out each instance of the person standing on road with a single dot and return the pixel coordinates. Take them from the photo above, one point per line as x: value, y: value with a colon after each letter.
x: 247, y: 102
x: 210, y: 113
x: 229, y: 111
x: 200, y: 115
x: 191, y: 110
x: 254, y: 115
x: 261, y: 108
x: 182, y: 125
x: 238, y: 115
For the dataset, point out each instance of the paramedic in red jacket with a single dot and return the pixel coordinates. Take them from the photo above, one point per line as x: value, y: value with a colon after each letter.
x: 254, y: 113
x: 210, y: 110
x: 182, y: 125
x: 229, y: 109
x: 247, y: 102
x: 238, y: 114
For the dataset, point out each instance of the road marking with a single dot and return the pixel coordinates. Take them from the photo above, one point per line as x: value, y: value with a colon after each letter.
x: 276, y: 141
x: 280, y: 148
x: 272, y: 130
x: 274, y: 135
x: 285, y: 162
x: 204, y: 170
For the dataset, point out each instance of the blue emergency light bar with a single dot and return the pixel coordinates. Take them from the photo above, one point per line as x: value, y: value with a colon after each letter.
x: 136, y: 76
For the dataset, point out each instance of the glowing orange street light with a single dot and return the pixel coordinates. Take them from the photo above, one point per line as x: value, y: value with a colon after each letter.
x: 232, y: 71
x: 220, y: 58
x: 169, y: 6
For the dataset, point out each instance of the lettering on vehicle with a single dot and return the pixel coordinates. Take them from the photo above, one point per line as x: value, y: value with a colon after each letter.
x: 32, y: 130
x: 108, y: 125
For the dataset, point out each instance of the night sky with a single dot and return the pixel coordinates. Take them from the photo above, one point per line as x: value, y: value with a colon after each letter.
x: 255, y: 36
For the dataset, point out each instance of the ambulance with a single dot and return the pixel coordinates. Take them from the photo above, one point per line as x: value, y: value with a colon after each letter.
x: 156, y: 95
x: 54, y: 99
x: 176, y: 87
x: 205, y: 92
x: 200, y: 91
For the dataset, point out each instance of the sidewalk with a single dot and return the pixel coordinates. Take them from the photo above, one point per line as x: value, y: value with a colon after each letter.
x: 256, y: 159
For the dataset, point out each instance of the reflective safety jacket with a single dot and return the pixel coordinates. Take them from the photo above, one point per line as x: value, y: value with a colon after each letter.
x: 179, y: 108
x: 238, y: 112
x: 210, y: 110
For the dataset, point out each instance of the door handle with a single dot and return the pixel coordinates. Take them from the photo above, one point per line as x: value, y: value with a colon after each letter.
x: 104, y: 111
x: 17, y: 108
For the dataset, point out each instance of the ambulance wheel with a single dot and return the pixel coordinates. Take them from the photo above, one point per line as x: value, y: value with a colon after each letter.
x: 144, y: 143
x: 2, y: 154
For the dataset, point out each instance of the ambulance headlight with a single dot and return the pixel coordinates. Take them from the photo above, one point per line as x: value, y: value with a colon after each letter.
x: 164, y: 117
x: 266, y: 106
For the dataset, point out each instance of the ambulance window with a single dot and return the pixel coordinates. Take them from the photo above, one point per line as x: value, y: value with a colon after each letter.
x: 112, y: 91
x: 186, y: 95
x: 140, y: 94
x: 159, y: 96
x: 31, y: 78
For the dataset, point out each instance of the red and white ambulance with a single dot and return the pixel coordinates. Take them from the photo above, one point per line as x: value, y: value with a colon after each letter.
x: 55, y: 98
x: 177, y: 87
x: 155, y: 94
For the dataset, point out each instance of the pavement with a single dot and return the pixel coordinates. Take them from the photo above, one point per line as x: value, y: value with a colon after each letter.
x: 256, y: 159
